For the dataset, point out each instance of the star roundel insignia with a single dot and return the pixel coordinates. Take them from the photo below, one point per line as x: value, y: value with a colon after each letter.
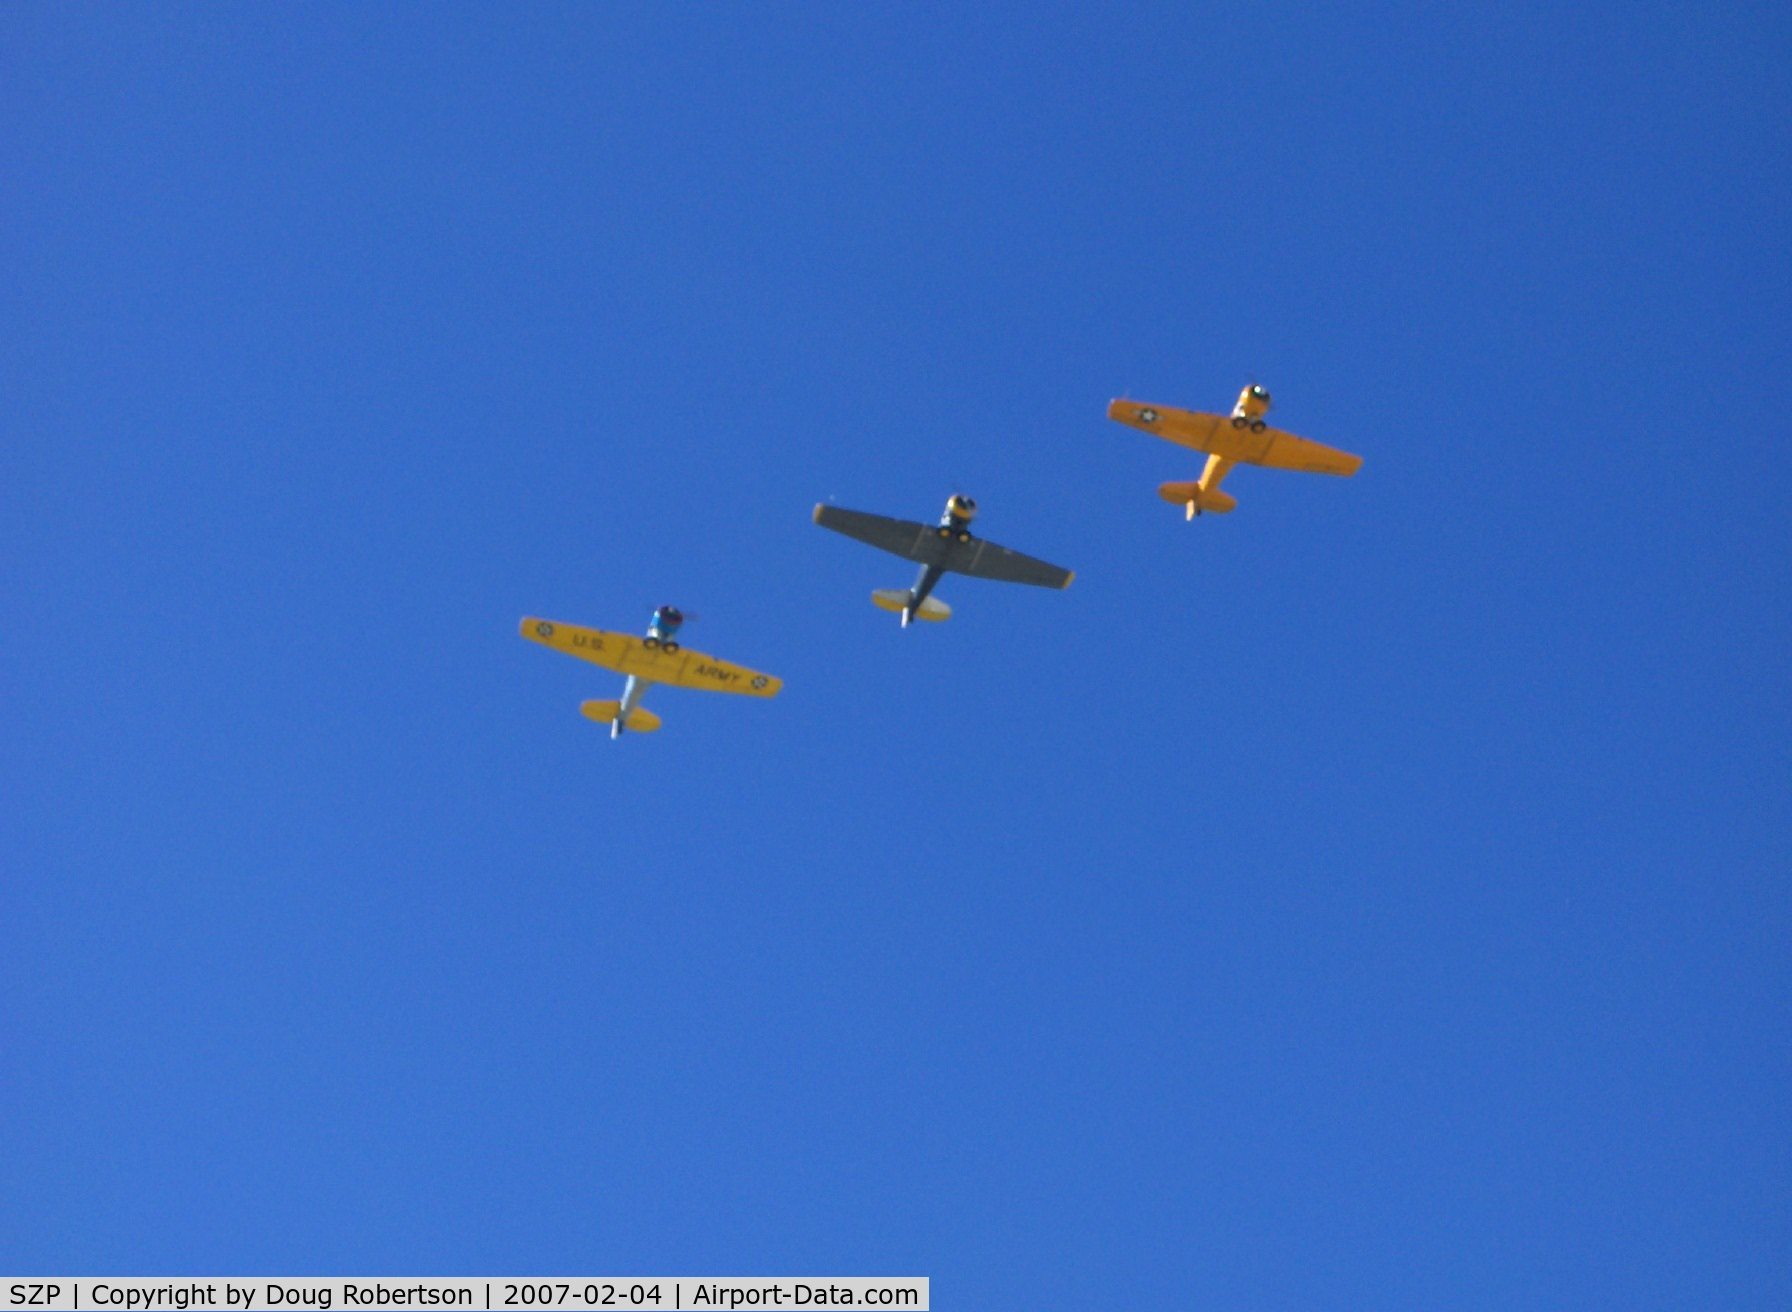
x: 544, y: 629
x: 1148, y: 415
x: 759, y: 681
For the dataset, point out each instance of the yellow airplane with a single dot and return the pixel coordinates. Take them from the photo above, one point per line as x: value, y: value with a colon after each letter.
x: 1238, y: 438
x: 657, y: 658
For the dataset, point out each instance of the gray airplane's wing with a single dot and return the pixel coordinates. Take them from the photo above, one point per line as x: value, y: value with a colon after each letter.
x: 923, y: 543
x: 985, y: 560
x: 901, y: 537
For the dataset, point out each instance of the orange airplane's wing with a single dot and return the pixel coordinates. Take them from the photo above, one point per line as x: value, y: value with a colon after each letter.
x: 1215, y: 435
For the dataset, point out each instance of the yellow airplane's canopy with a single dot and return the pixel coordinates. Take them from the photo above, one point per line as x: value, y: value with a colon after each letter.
x: 1215, y: 435
x: 627, y: 654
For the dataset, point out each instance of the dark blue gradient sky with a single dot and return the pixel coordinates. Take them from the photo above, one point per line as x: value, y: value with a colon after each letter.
x: 1374, y: 898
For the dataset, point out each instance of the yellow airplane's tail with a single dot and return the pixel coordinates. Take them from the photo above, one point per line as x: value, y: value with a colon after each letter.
x: 895, y: 599
x: 1198, y: 500
x: 640, y: 720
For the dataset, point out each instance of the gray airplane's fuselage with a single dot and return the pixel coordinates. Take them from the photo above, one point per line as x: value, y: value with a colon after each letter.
x: 952, y: 546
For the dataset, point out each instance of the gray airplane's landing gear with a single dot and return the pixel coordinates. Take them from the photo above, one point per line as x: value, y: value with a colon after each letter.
x: 1239, y: 421
x: 1193, y: 509
x: 650, y: 643
x: 1257, y: 425
x: 669, y: 645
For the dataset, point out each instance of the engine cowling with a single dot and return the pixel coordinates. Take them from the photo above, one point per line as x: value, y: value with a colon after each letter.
x: 1253, y: 403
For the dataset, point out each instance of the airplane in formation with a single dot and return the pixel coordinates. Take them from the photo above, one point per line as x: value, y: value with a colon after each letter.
x: 657, y: 658
x: 1241, y: 437
x: 946, y: 547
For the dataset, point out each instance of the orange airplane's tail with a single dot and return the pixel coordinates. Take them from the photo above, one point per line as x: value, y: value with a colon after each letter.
x: 1197, y: 499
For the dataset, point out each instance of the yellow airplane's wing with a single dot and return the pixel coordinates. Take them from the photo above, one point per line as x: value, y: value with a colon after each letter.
x: 1215, y: 435
x: 627, y: 654
x: 595, y: 645
x: 695, y: 670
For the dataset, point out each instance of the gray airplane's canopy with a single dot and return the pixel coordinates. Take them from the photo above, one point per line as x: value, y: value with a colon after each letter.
x: 923, y: 543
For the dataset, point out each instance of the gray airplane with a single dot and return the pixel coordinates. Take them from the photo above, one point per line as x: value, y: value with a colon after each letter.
x: 948, y: 546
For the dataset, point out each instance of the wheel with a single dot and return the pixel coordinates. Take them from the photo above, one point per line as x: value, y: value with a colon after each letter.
x: 1257, y: 425
x: 945, y: 532
x: 1239, y: 421
x: 964, y: 537
x: 668, y: 645
x: 650, y: 643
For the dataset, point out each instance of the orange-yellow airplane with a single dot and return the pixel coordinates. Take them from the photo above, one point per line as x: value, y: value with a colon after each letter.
x: 1238, y: 438
x: 657, y: 658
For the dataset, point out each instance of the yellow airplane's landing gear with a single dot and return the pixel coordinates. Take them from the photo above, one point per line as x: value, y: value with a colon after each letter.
x: 944, y: 531
x: 668, y: 645
x: 1252, y: 405
x: 650, y: 642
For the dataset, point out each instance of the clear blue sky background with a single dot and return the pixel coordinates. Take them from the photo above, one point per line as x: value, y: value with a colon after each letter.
x: 1374, y: 898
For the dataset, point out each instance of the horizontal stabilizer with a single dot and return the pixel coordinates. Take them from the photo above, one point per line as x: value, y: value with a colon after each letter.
x: 1211, y: 501
x: 896, y: 599
x: 640, y: 720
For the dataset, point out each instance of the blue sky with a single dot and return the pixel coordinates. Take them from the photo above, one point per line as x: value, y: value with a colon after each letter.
x: 1375, y: 897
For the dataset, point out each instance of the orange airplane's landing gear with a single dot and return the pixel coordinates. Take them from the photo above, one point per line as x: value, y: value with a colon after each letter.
x: 1252, y: 405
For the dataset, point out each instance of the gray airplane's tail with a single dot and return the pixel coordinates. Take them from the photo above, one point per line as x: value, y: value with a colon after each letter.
x: 898, y: 601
